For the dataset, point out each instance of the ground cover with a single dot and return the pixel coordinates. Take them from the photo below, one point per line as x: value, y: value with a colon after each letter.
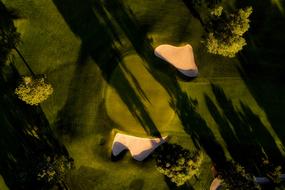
x: 99, y: 59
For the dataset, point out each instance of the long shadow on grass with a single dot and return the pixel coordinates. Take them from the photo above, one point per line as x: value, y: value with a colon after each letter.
x: 25, y: 137
x: 192, y: 7
x: 184, y: 106
x: 142, y: 44
x: 262, y: 61
x: 197, y: 128
x: 243, y: 132
x: 90, y: 21
x: 264, y: 50
x: 173, y: 186
x: 25, y: 134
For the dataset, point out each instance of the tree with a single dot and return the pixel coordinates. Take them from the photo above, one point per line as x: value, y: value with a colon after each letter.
x: 271, y: 171
x: 177, y: 163
x: 234, y: 177
x: 52, y: 170
x: 33, y: 90
x: 226, y: 31
x: 9, y: 37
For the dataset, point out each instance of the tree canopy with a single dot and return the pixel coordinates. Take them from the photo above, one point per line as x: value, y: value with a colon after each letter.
x: 51, y: 170
x: 235, y: 177
x: 226, y: 31
x: 177, y: 163
x: 33, y: 90
x: 9, y: 37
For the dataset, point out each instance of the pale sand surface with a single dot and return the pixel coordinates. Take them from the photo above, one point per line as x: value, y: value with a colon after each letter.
x: 140, y: 148
x: 265, y: 180
x: 216, y: 183
x: 181, y: 58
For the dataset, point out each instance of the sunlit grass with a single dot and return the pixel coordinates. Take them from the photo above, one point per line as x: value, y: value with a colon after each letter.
x: 278, y: 4
x: 53, y: 49
x: 2, y: 184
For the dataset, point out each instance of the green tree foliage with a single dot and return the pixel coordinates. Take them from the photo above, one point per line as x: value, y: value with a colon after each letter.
x: 177, y: 163
x: 33, y: 90
x: 217, y: 11
x: 9, y: 37
x: 239, y: 21
x: 53, y: 169
x: 226, y: 31
x: 224, y: 45
x: 234, y: 177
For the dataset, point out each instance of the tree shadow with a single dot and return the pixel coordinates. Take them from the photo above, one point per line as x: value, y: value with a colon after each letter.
x: 87, y: 178
x: 196, y: 127
x: 192, y: 7
x: 25, y: 133
x: 268, y: 92
x: 134, y: 32
x: 183, y: 105
x: 26, y: 137
x: 262, y: 60
x: 173, y: 186
x: 90, y: 21
x: 264, y: 47
x: 136, y: 184
x: 243, y: 131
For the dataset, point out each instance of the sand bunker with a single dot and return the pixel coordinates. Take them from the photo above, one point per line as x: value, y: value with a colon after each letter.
x: 140, y: 148
x: 216, y: 184
x: 182, y: 58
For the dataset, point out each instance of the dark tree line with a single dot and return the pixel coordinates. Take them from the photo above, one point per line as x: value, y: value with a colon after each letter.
x: 31, y: 157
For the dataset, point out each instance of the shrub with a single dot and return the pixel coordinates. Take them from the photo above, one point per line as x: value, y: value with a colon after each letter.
x: 177, y: 163
x: 33, y: 90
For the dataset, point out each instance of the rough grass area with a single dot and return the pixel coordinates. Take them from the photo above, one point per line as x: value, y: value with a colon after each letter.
x: 99, y: 58
x: 2, y: 184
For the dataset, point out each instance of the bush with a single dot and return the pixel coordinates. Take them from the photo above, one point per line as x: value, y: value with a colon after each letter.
x: 177, y: 163
x: 33, y: 90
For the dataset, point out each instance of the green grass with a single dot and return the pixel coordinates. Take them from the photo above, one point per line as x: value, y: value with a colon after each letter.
x: 154, y: 99
x: 3, y: 186
x: 88, y: 105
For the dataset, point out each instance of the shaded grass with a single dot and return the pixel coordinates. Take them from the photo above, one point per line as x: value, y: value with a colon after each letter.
x: 79, y: 49
x: 153, y: 97
x: 26, y: 137
x: 243, y: 131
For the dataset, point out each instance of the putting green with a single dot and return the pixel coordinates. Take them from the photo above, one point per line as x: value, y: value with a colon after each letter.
x: 150, y: 95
